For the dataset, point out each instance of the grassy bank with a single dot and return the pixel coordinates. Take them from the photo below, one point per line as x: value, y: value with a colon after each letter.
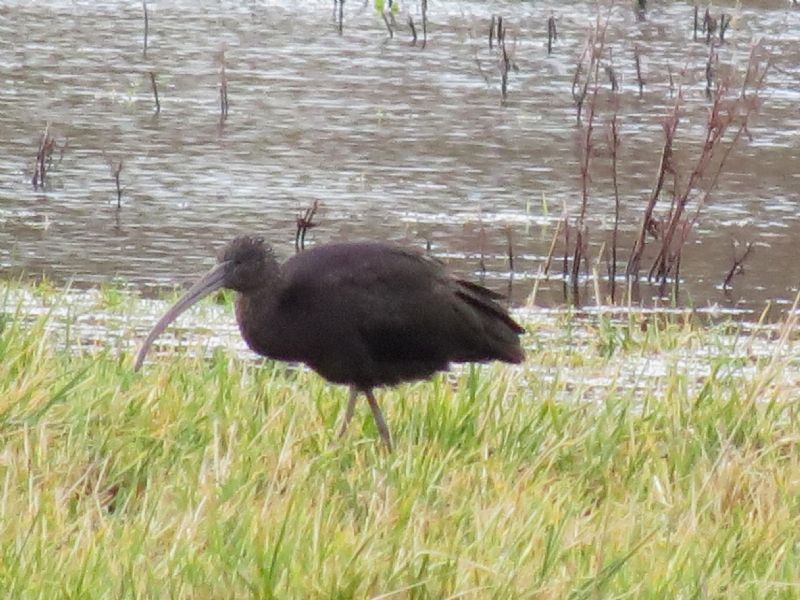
x: 217, y: 477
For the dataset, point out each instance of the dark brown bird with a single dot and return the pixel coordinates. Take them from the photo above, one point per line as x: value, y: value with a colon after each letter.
x: 363, y: 314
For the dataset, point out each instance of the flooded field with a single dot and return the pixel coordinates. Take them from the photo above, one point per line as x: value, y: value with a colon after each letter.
x: 395, y: 141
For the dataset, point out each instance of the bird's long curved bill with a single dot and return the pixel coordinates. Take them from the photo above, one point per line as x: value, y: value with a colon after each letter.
x: 210, y: 282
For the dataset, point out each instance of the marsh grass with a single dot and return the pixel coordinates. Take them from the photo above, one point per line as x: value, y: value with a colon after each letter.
x: 218, y: 477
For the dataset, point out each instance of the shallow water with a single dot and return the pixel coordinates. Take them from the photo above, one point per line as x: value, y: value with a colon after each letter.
x: 98, y: 321
x: 394, y: 141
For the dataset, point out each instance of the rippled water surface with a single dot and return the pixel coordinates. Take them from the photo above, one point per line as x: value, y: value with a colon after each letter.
x: 394, y: 141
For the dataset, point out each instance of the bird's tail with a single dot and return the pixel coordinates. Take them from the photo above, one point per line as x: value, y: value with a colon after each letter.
x: 500, y: 340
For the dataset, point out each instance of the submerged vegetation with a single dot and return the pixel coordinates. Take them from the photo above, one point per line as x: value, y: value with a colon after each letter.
x: 218, y: 476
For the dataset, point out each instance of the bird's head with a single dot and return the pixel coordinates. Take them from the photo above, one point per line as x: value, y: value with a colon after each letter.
x: 244, y: 265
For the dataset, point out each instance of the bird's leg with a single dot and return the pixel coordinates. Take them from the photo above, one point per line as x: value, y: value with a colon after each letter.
x: 348, y: 413
x: 378, y: 415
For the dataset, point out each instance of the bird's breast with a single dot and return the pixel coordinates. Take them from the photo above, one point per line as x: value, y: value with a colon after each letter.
x: 262, y: 329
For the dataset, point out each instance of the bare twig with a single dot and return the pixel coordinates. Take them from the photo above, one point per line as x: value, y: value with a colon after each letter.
x: 664, y: 167
x: 613, y: 144
x: 738, y: 265
x: 552, y: 250
x: 579, y: 254
x: 304, y: 223
x: 501, y: 30
x: 413, y: 30
x: 565, y: 270
x: 115, y: 172
x: 386, y: 21
x: 146, y: 27
x: 482, y: 247
x: 388, y: 25
x: 510, y: 247
x: 576, y: 79
x: 424, y: 23
x: 44, y: 158
x: 722, y: 115
x: 223, y: 89
x: 155, y: 91
x: 587, y: 150
x: 505, y: 57
x: 552, y: 33
x: 591, y: 55
x: 505, y: 67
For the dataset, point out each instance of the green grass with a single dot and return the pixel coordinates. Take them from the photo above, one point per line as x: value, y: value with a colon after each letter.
x: 218, y: 477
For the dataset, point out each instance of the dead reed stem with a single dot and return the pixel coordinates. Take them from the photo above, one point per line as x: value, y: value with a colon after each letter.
x: 424, y: 23
x: 579, y: 95
x: 482, y: 248
x: 613, y: 147
x: 597, y: 45
x: 510, y: 247
x: 565, y: 270
x: 723, y: 114
x: 665, y: 166
x: 388, y: 25
x: 304, y: 223
x: 738, y: 265
x: 223, y: 89
x: 115, y: 172
x: 146, y: 28
x: 44, y: 158
x: 155, y: 91
x: 552, y: 250
x: 505, y: 66
x: 552, y: 34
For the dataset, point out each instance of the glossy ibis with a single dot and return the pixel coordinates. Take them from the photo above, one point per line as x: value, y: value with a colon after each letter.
x: 362, y: 314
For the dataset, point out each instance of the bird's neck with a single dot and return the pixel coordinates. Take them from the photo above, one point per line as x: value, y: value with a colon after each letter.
x: 255, y: 310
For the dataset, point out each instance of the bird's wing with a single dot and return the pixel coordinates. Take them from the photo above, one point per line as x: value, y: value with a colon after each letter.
x: 400, y: 305
x: 377, y: 291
